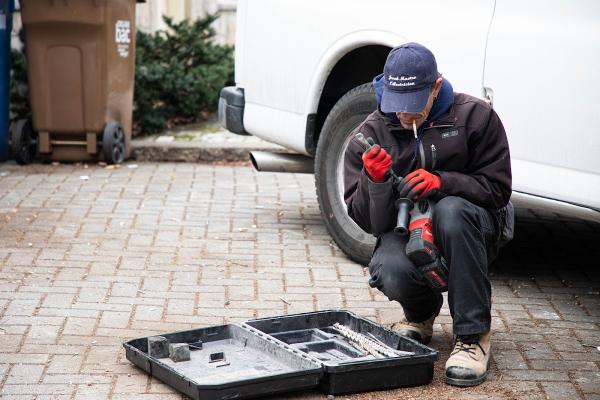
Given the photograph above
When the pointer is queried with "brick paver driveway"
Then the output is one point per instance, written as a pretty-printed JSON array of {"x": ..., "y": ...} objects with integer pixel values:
[{"x": 90, "y": 257}]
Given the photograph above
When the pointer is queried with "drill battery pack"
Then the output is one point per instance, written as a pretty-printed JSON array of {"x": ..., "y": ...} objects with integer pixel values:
[
  {"x": 421, "y": 248},
  {"x": 436, "y": 274}
]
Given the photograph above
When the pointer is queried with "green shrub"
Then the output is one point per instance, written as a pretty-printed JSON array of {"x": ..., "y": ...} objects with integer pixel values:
[
  {"x": 19, "y": 90},
  {"x": 179, "y": 74},
  {"x": 19, "y": 93}
]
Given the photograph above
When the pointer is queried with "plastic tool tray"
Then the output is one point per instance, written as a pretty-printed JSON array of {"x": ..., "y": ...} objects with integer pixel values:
[{"x": 337, "y": 351}]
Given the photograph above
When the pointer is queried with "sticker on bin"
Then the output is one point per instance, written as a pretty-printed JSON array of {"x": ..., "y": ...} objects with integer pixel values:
[{"x": 123, "y": 37}]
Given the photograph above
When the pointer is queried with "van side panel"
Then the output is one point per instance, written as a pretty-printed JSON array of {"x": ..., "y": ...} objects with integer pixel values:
[
  {"x": 543, "y": 59},
  {"x": 289, "y": 47}
]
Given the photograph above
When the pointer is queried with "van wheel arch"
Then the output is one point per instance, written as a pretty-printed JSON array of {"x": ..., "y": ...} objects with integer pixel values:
[{"x": 356, "y": 67}]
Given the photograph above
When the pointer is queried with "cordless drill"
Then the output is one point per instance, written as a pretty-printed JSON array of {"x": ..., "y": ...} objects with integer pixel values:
[{"x": 421, "y": 248}]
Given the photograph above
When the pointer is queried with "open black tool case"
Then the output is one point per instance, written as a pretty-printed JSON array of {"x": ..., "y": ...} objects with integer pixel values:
[{"x": 337, "y": 351}]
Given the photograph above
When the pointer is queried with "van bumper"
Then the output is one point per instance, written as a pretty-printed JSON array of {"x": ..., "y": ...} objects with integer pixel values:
[{"x": 231, "y": 109}]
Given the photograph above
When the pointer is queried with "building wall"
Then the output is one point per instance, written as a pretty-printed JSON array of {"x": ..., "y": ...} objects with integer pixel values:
[
  {"x": 15, "y": 42},
  {"x": 149, "y": 16}
]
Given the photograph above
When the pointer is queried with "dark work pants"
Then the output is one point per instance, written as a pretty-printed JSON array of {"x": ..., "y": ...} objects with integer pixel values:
[{"x": 467, "y": 236}]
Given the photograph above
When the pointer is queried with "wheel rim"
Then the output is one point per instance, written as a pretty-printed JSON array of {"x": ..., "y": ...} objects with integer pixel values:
[{"x": 118, "y": 149}]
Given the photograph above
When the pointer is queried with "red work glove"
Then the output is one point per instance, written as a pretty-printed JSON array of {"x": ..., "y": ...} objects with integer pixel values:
[
  {"x": 422, "y": 183},
  {"x": 376, "y": 161}
]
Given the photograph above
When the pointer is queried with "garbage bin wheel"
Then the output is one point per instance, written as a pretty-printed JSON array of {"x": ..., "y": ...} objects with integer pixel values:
[
  {"x": 113, "y": 143},
  {"x": 23, "y": 141}
]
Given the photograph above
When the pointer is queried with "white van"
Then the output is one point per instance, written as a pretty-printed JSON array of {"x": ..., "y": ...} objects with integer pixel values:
[{"x": 303, "y": 70}]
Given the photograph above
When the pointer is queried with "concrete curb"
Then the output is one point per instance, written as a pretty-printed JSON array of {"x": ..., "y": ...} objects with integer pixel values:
[
  {"x": 189, "y": 154},
  {"x": 207, "y": 147}
]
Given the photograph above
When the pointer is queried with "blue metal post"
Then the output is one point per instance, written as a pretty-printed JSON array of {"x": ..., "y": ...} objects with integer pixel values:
[{"x": 6, "y": 11}]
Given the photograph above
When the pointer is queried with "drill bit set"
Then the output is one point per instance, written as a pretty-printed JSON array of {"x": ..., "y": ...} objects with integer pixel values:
[{"x": 373, "y": 346}]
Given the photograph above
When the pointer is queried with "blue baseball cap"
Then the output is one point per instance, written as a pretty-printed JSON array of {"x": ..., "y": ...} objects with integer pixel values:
[{"x": 409, "y": 72}]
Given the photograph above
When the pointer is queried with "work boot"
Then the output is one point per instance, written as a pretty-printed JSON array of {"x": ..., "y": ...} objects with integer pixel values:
[
  {"x": 419, "y": 331},
  {"x": 468, "y": 364}
]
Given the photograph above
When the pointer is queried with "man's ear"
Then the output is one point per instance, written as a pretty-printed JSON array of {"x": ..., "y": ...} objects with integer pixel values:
[{"x": 438, "y": 86}]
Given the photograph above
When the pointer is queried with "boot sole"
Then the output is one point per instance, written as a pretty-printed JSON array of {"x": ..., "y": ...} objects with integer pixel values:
[
  {"x": 469, "y": 382},
  {"x": 466, "y": 382}
]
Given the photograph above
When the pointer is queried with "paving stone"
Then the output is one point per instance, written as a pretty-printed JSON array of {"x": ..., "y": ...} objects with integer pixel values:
[
  {"x": 510, "y": 360},
  {"x": 42, "y": 390},
  {"x": 564, "y": 365},
  {"x": 588, "y": 381},
  {"x": 560, "y": 391},
  {"x": 534, "y": 375},
  {"x": 592, "y": 355},
  {"x": 538, "y": 351},
  {"x": 92, "y": 391},
  {"x": 42, "y": 334},
  {"x": 114, "y": 319},
  {"x": 25, "y": 374},
  {"x": 79, "y": 326},
  {"x": 65, "y": 363}
]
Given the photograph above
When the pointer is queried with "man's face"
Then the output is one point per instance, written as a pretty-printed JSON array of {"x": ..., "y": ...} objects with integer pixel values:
[{"x": 406, "y": 119}]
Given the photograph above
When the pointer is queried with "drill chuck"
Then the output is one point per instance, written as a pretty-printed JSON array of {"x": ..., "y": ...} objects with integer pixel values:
[{"x": 404, "y": 206}]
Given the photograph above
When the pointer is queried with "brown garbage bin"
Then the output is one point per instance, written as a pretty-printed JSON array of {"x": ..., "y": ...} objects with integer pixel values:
[{"x": 81, "y": 59}]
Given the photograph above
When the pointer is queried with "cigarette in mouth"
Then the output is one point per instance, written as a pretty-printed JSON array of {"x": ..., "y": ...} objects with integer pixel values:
[{"x": 415, "y": 128}]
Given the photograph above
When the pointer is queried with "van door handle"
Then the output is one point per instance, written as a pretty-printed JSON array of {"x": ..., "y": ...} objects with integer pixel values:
[{"x": 488, "y": 95}]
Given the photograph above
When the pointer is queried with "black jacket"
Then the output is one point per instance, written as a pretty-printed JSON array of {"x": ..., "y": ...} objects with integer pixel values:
[{"x": 466, "y": 147}]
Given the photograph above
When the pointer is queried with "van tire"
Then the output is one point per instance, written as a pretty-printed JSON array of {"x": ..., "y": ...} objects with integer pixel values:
[{"x": 350, "y": 110}]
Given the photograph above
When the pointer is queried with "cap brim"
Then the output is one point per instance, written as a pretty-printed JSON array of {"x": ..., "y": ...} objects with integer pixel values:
[{"x": 405, "y": 102}]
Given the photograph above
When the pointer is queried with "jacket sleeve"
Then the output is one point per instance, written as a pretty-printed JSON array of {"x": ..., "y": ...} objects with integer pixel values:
[
  {"x": 370, "y": 204},
  {"x": 487, "y": 181}
]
